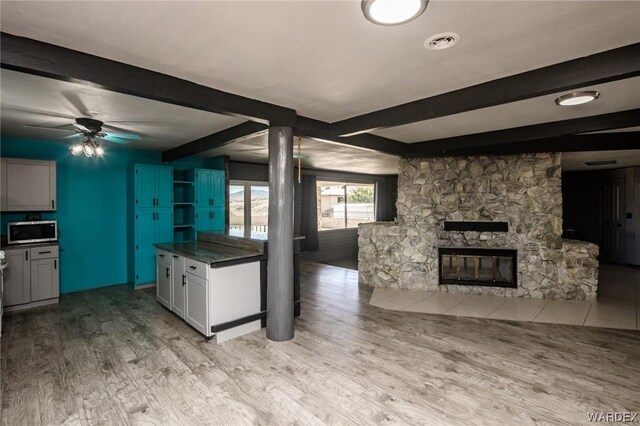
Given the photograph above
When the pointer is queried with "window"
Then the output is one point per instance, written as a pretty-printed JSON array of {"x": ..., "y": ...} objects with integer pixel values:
[
  {"x": 248, "y": 207},
  {"x": 335, "y": 213}
]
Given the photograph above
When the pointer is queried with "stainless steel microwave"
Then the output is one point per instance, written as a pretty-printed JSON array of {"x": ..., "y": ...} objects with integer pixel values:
[{"x": 32, "y": 232}]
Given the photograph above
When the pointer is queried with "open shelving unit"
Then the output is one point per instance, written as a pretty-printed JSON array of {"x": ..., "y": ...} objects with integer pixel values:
[{"x": 184, "y": 201}]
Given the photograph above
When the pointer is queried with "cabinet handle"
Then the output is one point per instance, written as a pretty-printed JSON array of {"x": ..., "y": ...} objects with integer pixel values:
[
  {"x": 44, "y": 252},
  {"x": 161, "y": 255},
  {"x": 53, "y": 204},
  {"x": 175, "y": 256},
  {"x": 55, "y": 264},
  {"x": 193, "y": 267},
  {"x": 167, "y": 272},
  {"x": 184, "y": 279},
  {"x": 26, "y": 255}
]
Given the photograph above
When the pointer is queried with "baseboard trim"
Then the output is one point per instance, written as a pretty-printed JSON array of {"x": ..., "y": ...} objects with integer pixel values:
[
  {"x": 31, "y": 305},
  {"x": 143, "y": 286}
]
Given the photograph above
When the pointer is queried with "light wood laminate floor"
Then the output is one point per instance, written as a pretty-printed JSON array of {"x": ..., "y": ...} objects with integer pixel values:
[{"x": 115, "y": 356}]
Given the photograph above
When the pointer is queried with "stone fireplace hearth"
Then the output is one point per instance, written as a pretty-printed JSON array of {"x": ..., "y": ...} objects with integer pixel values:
[{"x": 523, "y": 192}]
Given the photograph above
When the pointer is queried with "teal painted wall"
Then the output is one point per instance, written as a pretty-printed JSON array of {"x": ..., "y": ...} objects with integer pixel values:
[{"x": 92, "y": 213}]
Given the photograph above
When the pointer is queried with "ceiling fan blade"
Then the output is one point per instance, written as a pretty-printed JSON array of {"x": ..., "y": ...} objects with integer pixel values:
[
  {"x": 82, "y": 128},
  {"x": 75, "y": 135},
  {"x": 76, "y": 103},
  {"x": 130, "y": 136},
  {"x": 38, "y": 112},
  {"x": 59, "y": 128},
  {"x": 114, "y": 139},
  {"x": 118, "y": 129}
]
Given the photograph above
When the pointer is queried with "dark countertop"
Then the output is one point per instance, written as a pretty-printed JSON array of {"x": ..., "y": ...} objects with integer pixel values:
[{"x": 213, "y": 254}]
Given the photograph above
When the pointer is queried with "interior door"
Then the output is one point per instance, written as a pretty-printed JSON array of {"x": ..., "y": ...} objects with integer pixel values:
[
  {"x": 613, "y": 208},
  {"x": 196, "y": 302},
  {"x": 179, "y": 283}
]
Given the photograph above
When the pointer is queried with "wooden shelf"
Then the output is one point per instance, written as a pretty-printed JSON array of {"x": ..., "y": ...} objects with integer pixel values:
[
  {"x": 190, "y": 203},
  {"x": 186, "y": 225},
  {"x": 183, "y": 182}
]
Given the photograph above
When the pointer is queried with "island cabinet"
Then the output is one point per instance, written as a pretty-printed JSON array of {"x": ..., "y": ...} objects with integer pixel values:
[{"x": 220, "y": 299}]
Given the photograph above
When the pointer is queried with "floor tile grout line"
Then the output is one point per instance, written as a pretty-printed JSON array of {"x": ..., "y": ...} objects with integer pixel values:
[
  {"x": 587, "y": 316},
  {"x": 431, "y": 295},
  {"x": 466, "y": 298},
  {"x": 497, "y": 307},
  {"x": 541, "y": 310}
]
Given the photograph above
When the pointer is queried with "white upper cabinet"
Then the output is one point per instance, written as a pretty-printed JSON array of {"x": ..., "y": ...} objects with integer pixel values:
[{"x": 28, "y": 185}]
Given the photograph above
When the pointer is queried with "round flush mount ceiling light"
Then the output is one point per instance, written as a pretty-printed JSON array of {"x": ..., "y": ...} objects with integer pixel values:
[
  {"x": 577, "y": 98},
  {"x": 442, "y": 41},
  {"x": 392, "y": 12}
]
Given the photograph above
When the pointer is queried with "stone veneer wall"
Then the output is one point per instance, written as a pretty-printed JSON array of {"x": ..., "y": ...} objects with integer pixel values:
[{"x": 524, "y": 190}]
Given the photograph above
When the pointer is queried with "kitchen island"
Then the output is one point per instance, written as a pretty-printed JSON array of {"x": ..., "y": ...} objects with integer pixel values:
[{"x": 218, "y": 284}]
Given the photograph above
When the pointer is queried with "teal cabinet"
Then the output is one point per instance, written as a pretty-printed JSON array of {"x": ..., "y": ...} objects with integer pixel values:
[
  {"x": 210, "y": 188},
  {"x": 153, "y": 217},
  {"x": 210, "y": 219},
  {"x": 153, "y": 186}
]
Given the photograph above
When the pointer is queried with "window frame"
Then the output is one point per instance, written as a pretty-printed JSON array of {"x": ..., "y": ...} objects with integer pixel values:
[
  {"x": 247, "y": 184},
  {"x": 345, "y": 183}
]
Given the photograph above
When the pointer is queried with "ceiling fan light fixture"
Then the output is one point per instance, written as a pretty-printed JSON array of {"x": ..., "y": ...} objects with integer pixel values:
[
  {"x": 99, "y": 151},
  {"x": 577, "y": 98},
  {"x": 88, "y": 150},
  {"x": 392, "y": 12},
  {"x": 76, "y": 149}
]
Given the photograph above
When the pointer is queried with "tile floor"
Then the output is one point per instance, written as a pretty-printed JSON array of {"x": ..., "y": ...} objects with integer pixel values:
[{"x": 618, "y": 304}]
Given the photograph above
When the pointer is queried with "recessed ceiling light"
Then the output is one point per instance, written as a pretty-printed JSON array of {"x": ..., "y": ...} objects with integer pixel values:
[
  {"x": 577, "y": 98},
  {"x": 392, "y": 12},
  {"x": 442, "y": 41}
]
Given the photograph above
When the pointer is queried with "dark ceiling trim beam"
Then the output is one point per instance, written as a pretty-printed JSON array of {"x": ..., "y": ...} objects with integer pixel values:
[
  {"x": 611, "y": 65},
  {"x": 569, "y": 143},
  {"x": 44, "y": 59},
  {"x": 616, "y": 120},
  {"x": 316, "y": 129},
  {"x": 215, "y": 140}
]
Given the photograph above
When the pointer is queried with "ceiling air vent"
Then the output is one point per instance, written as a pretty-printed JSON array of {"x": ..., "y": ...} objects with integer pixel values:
[
  {"x": 442, "y": 41},
  {"x": 600, "y": 163}
]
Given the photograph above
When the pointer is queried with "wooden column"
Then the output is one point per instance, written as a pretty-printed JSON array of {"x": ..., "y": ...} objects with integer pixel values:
[{"x": 280, "y": 245}]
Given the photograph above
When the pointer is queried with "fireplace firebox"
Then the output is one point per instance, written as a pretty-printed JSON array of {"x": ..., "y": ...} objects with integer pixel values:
[{"x": 477, "y": 266}]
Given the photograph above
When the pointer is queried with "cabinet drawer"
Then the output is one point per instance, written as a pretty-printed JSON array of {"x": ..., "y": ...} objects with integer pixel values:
[
  {"x": 196, "y": 268},
  {"x": 164, "y": 256},
  {"x": 44, "y": 252}
]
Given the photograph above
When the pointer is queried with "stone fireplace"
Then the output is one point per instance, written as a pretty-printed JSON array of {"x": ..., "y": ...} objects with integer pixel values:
[{"x": 510, "y": 203}]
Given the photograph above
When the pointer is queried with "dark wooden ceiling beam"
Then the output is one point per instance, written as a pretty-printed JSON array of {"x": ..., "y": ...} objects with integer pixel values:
[
  {"x": 491, "y": 140},
  {"x": 569, "y": 143},
  {"x": 44, "y": 59},
  {"x": 215, "y": 140},
  {"x": 616, "y": 64},
  {"x": 316, "y": 129}
]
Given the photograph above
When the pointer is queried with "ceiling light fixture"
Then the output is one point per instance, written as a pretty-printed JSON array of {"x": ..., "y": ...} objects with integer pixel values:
[
  {"x": 392, "y": 12},
  {"x": 577, "y": 98},
  {"x": 442, "y": 41},
  {"x": 88, "y": 147}
]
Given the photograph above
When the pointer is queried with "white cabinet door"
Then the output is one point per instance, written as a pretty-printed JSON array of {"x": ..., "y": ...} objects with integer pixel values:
[
  {"x": 17, "y": 281},
  {"x": 163, "y": 286},
  {"x": 45, "y": 283},
  {"x": 197, "y": 301},
  {"x": 30, "y": 185},
  {"x": 179, "y": 284}
]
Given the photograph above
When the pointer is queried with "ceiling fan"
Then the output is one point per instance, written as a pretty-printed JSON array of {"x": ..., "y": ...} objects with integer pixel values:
[{"x": 91, "y": 128}]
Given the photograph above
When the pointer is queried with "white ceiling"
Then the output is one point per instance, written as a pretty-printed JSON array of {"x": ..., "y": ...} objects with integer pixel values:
[
  {"x": 33, "y": 100},
  {"x": 576, "y": 160},
  {"x": 323, "y": 58},
  {"x": 315, "y": 155}
]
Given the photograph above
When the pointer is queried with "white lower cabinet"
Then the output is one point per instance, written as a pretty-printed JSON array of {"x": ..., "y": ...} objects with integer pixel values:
[
  {"x": 44, "y": 279},
  {"x": 178, "y": 282},
  {"x": 212, "y": 300},
  {"x": 32, "y": 277},
  {"x": 164, "y": 272},
  {"x": 196, "y": 302}
]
